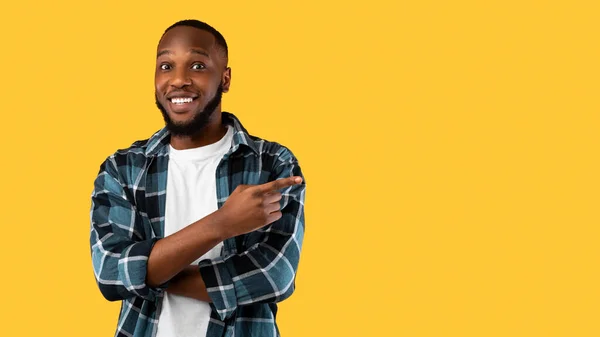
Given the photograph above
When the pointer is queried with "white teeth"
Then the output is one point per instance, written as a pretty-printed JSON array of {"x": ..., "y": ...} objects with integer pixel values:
[{"x": 181, "y": 100}]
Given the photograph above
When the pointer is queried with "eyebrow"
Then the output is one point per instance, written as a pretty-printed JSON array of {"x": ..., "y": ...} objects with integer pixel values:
[{"x": 193, "y": 51}]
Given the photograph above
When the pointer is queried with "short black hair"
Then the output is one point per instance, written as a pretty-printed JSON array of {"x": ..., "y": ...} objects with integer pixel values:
[{"x": 203, "y": 26}]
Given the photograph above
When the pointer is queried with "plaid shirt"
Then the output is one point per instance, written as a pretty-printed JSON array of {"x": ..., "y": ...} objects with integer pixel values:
[{"x": 254, "y": 272}]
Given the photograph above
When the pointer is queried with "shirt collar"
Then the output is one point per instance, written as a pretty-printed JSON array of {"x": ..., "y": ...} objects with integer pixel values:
[{"x": 158, "y": 143}]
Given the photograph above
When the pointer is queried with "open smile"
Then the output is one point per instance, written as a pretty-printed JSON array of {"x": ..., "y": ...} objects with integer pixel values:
[{"x": 182, "y": 104}]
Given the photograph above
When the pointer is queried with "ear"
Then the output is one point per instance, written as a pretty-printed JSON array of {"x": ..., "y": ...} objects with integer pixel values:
[{"x": 226, "y": 79}]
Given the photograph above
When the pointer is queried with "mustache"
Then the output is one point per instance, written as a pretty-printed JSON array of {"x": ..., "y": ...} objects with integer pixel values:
[{"x": 218, "y": 93}]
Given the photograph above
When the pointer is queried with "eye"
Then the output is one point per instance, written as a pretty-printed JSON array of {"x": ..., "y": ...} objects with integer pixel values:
[
  {"x": 165, "y": 66},
  {"x": 198, "y": 66}
]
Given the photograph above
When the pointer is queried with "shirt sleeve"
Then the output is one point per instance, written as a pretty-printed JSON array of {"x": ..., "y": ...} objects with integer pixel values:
[
  {"x": 266, "y": 271},
  {"x": 118, "y": 248}
]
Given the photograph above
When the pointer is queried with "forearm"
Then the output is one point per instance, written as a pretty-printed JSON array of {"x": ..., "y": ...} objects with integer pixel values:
[
  {"x": 172, "y": 254},
  {"x": 189, "y": 283}
]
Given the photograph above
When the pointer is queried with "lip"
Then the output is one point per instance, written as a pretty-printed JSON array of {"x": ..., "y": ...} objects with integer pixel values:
[
  {"x": 185, "y": 107},
  {"x": 183, "y": 94}
]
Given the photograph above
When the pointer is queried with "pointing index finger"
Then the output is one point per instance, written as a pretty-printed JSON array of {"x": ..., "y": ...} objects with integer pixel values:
[{"x": 280, "y": 183}]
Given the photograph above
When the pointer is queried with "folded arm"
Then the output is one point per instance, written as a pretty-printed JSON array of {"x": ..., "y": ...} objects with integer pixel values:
[{"x": 125, "y": 262}]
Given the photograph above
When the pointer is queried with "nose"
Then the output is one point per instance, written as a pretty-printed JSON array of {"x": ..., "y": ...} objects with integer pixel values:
[{"x": 180, "y": 78}]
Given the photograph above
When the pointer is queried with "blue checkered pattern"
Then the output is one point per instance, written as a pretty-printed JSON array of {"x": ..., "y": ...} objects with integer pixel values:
[{"x": 254, "y": 272}]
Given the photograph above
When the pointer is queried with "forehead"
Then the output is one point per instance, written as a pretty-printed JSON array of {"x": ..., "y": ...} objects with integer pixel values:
[{"x": 184, "y": 37}]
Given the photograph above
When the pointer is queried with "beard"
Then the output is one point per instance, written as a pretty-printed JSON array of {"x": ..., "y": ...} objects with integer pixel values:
[{"x": 200, "y": 120}]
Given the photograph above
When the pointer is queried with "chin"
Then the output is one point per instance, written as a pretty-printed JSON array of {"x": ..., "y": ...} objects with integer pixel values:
[{"x": 183, "y": 115}]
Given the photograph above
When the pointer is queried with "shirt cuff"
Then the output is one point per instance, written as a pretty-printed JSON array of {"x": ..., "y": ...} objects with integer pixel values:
[{"x": 133, "y": 268}]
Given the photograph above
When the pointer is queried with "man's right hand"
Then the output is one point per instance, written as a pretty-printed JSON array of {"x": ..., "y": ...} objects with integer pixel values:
[
  {"x": 248, "y": 208},
  {"x": 251, "y": 207}
]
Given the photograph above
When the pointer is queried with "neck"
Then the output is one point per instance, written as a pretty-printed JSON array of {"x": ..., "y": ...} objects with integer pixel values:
[{"x": 211, "y": 133}]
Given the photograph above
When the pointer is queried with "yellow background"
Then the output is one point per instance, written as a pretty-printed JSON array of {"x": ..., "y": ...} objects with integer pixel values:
[{"x": 450, "y": 150}]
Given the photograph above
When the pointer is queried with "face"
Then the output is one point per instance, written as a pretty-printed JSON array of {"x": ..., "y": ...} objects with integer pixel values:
[{"x": 191, "y": 74}]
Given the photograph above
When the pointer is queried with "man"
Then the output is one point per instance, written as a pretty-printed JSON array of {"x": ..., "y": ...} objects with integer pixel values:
[{"x": 198, "y": 229}]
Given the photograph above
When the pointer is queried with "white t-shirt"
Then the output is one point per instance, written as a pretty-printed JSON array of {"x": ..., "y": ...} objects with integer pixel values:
[{"x": 191, "y": 195}]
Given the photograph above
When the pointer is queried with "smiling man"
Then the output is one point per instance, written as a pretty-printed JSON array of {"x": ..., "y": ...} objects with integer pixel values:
[{"x": 198, "y": 229}]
